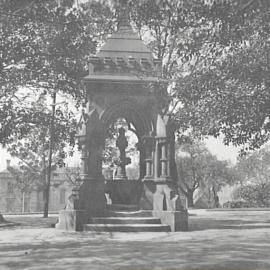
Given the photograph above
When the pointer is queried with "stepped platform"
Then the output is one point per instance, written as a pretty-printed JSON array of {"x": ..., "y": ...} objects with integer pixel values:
[
  {"x": 127, "y": 228},
  {"x": 126, "y": 218},
  {"x": 123, "y": 207}
]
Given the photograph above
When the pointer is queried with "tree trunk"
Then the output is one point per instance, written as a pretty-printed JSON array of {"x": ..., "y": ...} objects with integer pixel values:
[
  {"x": 190, "y": 198},
  {"x": 48, "y": 170},
  {"x": 23, "y": 197},
  {"x": 216, "y": 198},
  {"x": 46, "y": 200}
]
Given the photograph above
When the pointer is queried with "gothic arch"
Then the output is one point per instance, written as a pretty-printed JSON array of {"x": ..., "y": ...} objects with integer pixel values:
[{"x": 132, "y": 112}]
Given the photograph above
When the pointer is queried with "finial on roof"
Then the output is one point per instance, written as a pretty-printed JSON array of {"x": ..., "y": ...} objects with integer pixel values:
[{"x": 123, "y": 17}]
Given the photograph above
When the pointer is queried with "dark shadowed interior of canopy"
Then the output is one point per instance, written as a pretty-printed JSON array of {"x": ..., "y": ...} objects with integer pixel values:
[{"x": 111, "y": 151}]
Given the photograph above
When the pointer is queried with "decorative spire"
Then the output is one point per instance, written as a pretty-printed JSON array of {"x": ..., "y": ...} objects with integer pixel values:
[{"x": 123, "y": 18}]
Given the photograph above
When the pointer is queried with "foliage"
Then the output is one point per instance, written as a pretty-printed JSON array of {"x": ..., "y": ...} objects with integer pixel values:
[
  {"x": 44, "y": 49},
  {"x": 254, "y": 167},
  {"x": 44, "y": 46},
  {"x": 72, "y": 174},
  {"x": 201, "y": 43},
  {"x": 216, "y": 57},
  {"x": 33, "y": 150},
  {"x": 13, "y": 116},
  {"x": 198, "y": 168},
  {"x": 26, "y": 180},
  {"x": 214, "y": 53},
  {"x": 256, "y": 195},
  {"x": 236, "y": 204},
  {"x": 229, "y": 94},
  {"x": 254, "y": 173}
]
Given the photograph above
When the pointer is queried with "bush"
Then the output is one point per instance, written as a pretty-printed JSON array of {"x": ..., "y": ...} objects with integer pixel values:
[
  {"x": 236, "y": 204},
  {"x": 256, "y": 195}
]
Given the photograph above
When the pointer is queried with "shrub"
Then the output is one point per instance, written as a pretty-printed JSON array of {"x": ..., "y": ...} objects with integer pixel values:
[
  {"x": 236, "y": 204},
  {"x": 256, "y": 195}
]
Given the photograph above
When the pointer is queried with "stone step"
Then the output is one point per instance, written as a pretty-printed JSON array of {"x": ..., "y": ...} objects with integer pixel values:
[
  {"x": 127, "y": 228},
  {"x": 126, "y": 220},
  {"x": 123, "y": 207},
  {"x": 140, "y": 213}
]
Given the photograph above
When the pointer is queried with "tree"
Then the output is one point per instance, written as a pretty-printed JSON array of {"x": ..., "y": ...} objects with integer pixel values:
[
  {"x": 13, "y": 50},
  {"x": 26, "y": 180},
  {"x": 254, "y": 172},
  {"x": 45, "y": 48},
  {"x": 218, "y": 174},
  {"x": 190, "y": 168},
  {"x": 33, "y": 151},
  {"x": 215, "y": 55},
  {"x": 198, "y": 168},
  {"x": 230, "y": 95},
  {"x": 254, "y": 195}
]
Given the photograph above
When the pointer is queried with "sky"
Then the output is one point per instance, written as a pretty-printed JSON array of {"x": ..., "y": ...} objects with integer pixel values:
[
  {"x": 223, "y": 152},
  {"x": 215, "y": 146}
]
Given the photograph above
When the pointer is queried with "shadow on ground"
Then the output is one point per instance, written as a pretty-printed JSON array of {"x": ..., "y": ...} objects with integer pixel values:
[
  {"x": 111, "y": 254},
  {"x": 210, "y": 223},
  {"x": 231, "y": 241},
  {"x": 221, "y": 220},
  {"x": 197, "y": 222},
  {"x": 29, "y": 222}
]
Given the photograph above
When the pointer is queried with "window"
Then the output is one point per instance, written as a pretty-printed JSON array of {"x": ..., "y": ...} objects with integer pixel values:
[
  {"x": 10, "y": 204},
  {"x": 10, "y": 188},
  {"x": 62, "y": 196}
]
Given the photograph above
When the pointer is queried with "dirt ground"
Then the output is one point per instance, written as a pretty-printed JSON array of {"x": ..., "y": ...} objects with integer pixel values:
[{"x": 216, "y": 240}]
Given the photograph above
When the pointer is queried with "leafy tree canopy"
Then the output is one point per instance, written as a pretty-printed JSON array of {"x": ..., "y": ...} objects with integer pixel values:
[
  {"x": 44, "y": 47},
  {"x": 254, "y": 167},
  {"x": 214, "y": 53},
  {"x": 33, "y": 149},
  {"x": 254, "y": 174},
  {"x": 216, "y": 56},
  {"x": 198, "y": 168}
]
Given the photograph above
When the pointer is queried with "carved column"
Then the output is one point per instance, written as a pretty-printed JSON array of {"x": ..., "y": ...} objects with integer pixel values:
[
  {"x": 148, "y": 143},
  {"x": 163, "y": 161},
  {"x": 169, "y": 161},
  {"x": 84, "y": 164},
  {"x": 156, "y": 160},
  {"x": 91, "y": 141}
]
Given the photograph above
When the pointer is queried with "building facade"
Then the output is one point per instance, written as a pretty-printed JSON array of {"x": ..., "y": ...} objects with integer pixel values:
[{"x": 13, "y": 200}]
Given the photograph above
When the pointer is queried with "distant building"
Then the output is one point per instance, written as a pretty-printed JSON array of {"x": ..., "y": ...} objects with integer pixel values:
[{"x": 13, "y": 200}]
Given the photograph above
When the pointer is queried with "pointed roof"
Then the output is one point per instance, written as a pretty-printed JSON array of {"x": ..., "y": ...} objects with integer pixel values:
[
  {"x": 124, "y": 58},
  {"x": 125, "y": 43}
]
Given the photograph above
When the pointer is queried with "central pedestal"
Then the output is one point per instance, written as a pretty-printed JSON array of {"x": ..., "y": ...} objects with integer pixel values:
[{"x": 124, "y": 191}]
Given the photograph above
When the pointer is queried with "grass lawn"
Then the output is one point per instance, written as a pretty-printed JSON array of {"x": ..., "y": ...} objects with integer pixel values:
[{"x": 216, "y": 240}]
